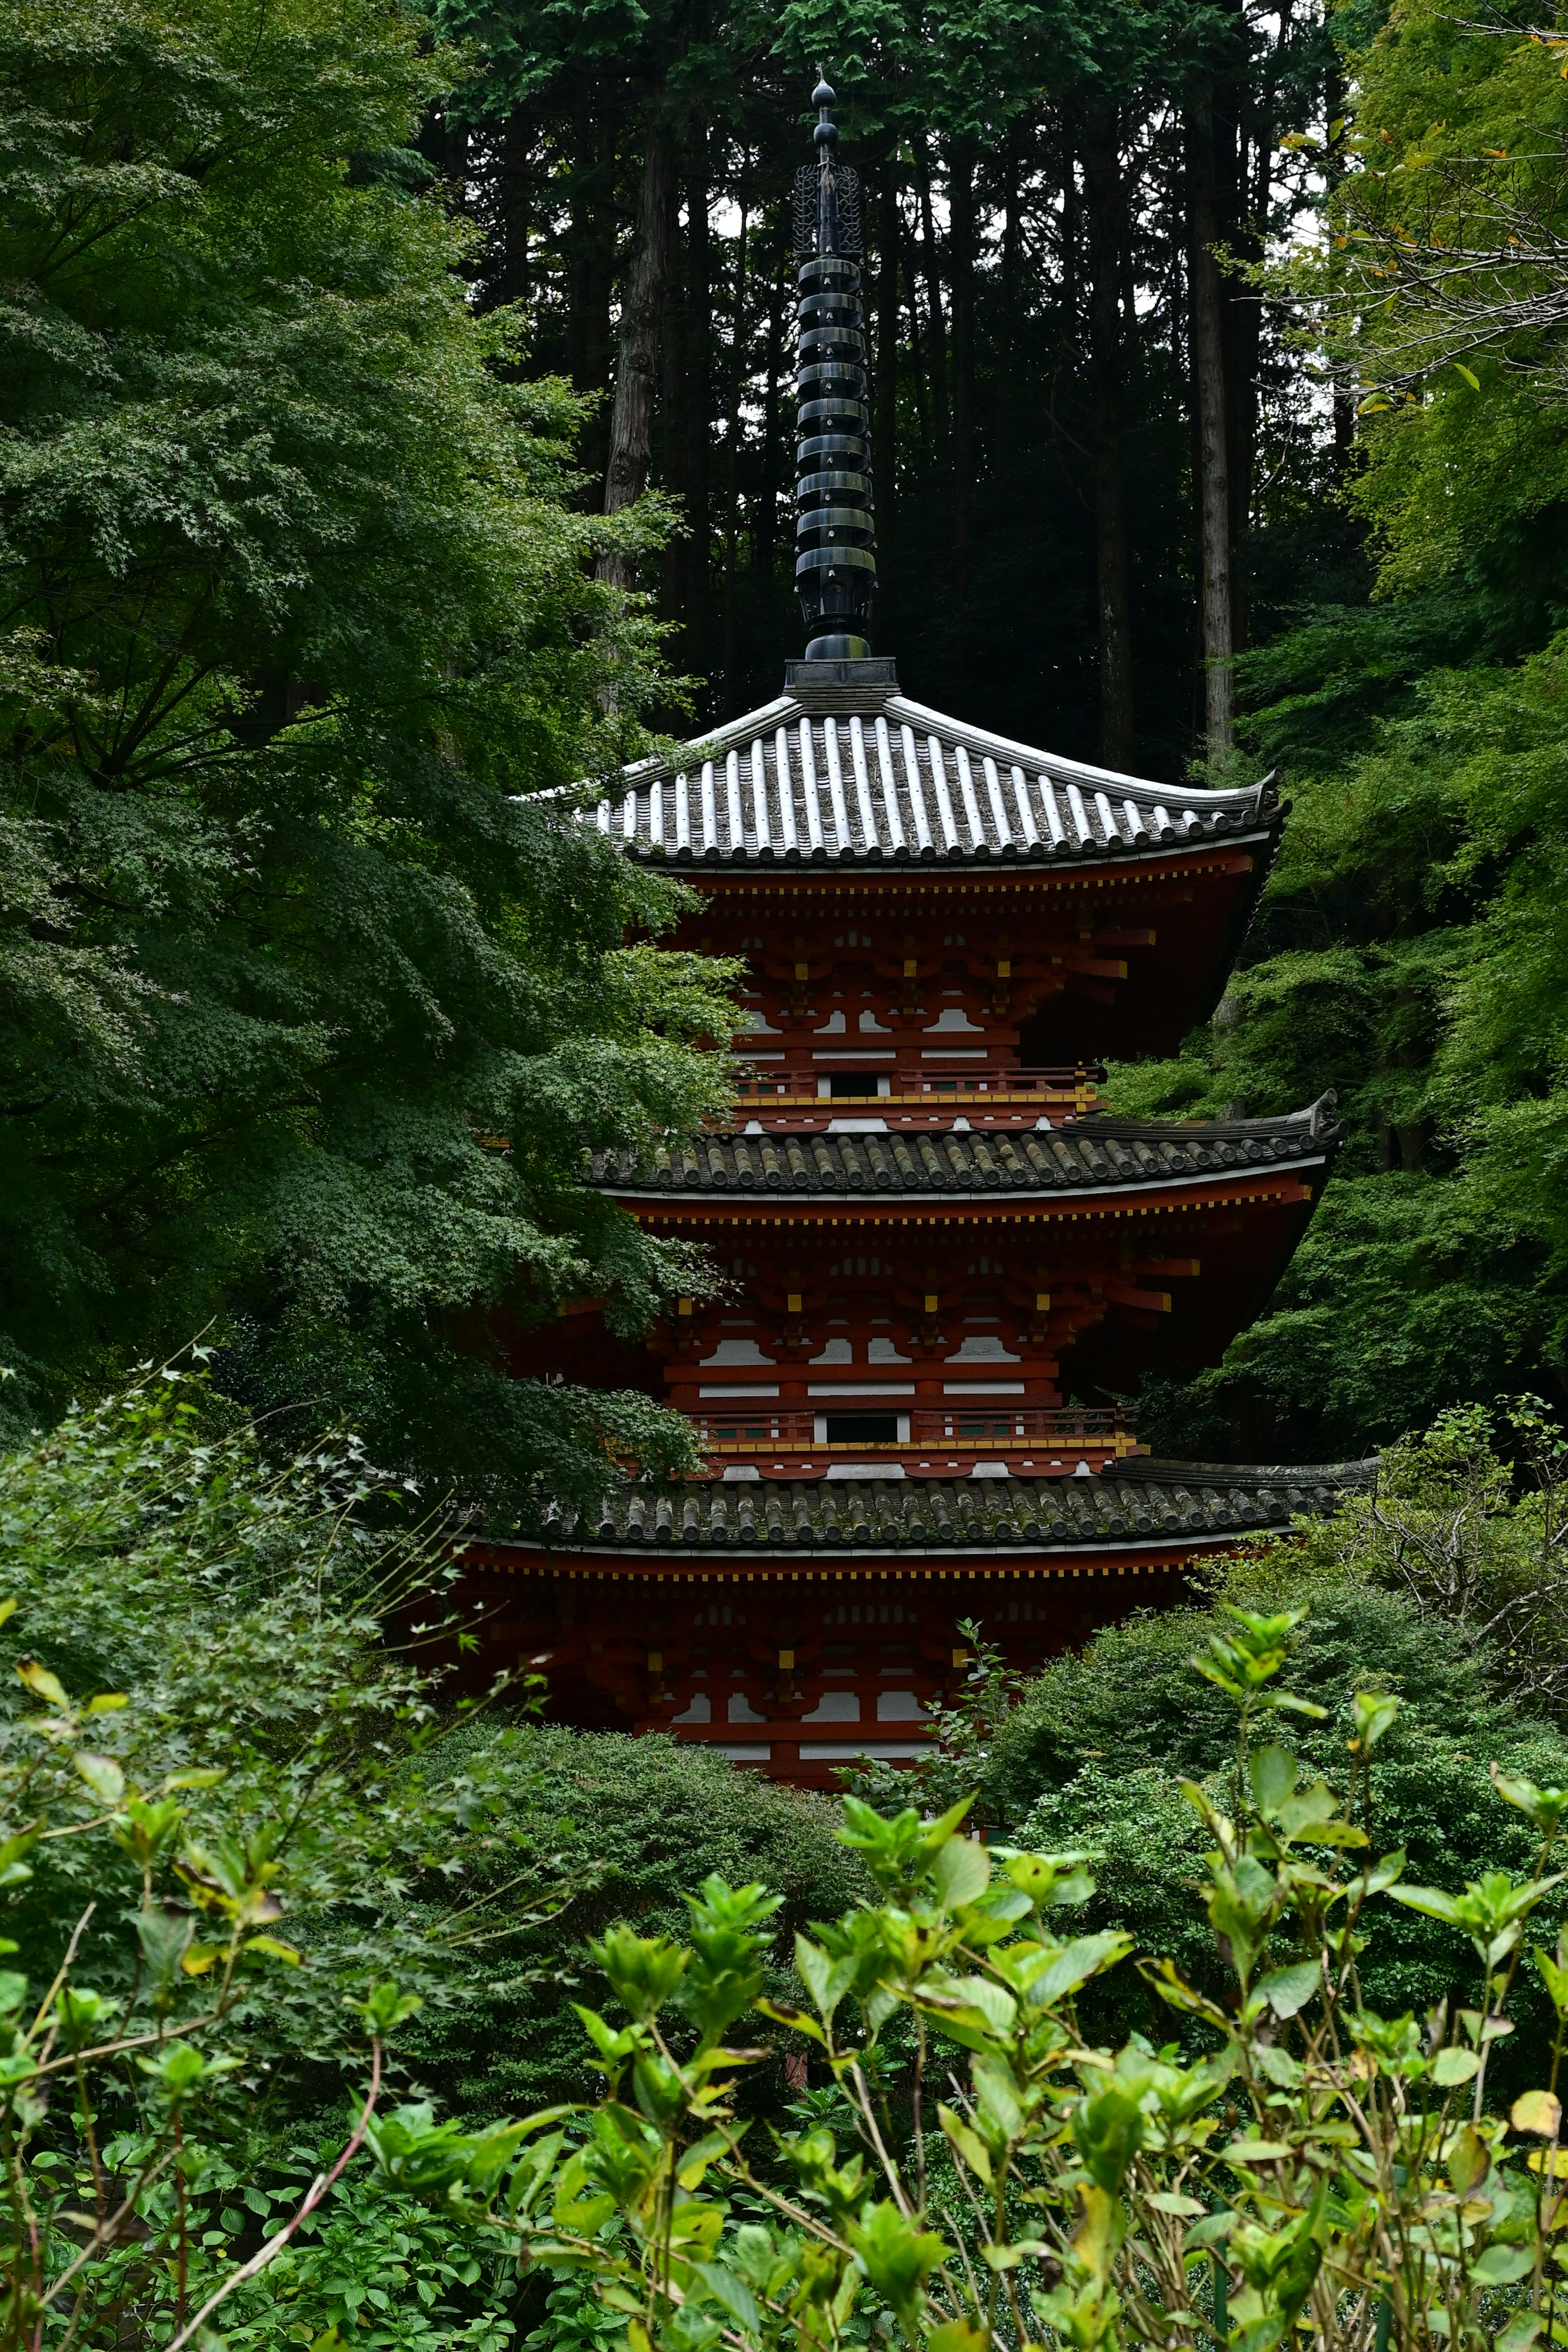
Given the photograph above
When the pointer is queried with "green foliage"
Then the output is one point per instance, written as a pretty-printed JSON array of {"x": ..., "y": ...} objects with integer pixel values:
[
  {"x": 631, "y": 1820},
  {"x": 1409, "y": 958},
  {"x": 1302, "y": 2160},
  {"x": 1436, "y": 1584},
  {"x": 316, "y": 990},
  {"x": 226, "y": 1800}
]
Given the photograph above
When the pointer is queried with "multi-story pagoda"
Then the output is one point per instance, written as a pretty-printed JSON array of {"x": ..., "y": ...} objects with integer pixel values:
[{"x": 944, "y": 1262}]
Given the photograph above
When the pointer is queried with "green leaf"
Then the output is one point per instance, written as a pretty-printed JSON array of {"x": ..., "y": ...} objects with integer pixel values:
[
  {"x": 41, "y": 1683},
  {"x": 732, "y": 2293},
  {"x": 1288, "y": 1991},
  {"x": 1453, "y": 2066},
  {"x": 1536, "y": 2111},
  {"x": 1555, "y": 1979},
  {"x": 1502, "y": 2265},
  {"x": 1085, "y": 1957},
  {"x": 1431, "y": 1900},
  {"x": 1470, "y": 377},
  {"x": 957, "y": 2334},
  {"x": 1375, "y": 1714},
  {"x": 103, "y": 1775},
  {"x": 968, "y": 2142},
  {"x": 696, "y": 2159},
  {"x": 279, "y": 1950},
  {"x": 1543, "y": 1808},
  {"x": 961, "y": 1873},
  {"x": 1273, "y": 1773},
  {"x": 1470, "y": 2160}
]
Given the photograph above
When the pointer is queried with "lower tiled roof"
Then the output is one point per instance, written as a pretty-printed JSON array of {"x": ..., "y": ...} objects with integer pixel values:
[
  {"x": 1080, "y": 1155},
  {"x": 1141, "y": 1502}
]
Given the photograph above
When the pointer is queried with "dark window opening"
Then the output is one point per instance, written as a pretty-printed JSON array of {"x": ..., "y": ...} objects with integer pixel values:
[
  {"x": 851, "y": 1082},
  {"x": 861, "y": 1428}
]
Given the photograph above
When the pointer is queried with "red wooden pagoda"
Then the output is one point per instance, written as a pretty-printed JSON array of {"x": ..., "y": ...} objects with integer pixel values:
[{"x": 945, "y": 1264}]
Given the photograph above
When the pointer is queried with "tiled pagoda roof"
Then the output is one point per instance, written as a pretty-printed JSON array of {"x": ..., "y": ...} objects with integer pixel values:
[
  {"x": 1084, "y": 1154},
  {"x": 1142, "y": 1501},
  {"x": 859, "y": 772}
]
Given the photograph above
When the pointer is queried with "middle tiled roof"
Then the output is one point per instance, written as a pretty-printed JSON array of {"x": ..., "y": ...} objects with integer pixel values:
[
  {"x": 1088, "y": 1153},
  {"x": 1136, "y": 1503}
]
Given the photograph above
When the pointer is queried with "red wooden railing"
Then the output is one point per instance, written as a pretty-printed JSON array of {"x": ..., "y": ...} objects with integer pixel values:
[{"x": 1078, "y": 1429}]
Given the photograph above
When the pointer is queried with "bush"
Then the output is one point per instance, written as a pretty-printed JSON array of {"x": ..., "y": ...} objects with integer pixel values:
[{"x": 635, "y": 1821}]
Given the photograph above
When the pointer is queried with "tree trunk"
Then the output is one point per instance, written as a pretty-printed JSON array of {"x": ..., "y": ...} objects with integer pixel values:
[
  {"x": 931, "y": 258},
  {"x": 1073, "y": 231},
  {"x": 765, "y": 526},
  {"x": 674, "y": 456},
  {"x": 1007, "y": 320},
  {"x": 1107, "y": 223},
  {"x": 699, "y": 417},
  {"x": 1333, "y": 174},
  {"x": 591, "y": 266},
  {"x": 732, "y": 444},
  {"x": 1208, "y": 390},
  {"x": 918, "y": 373},
  {"x": 515, "y": 278},
  {"x": 642, "y": 310},
  {"x": 885, "y": 431},
  {"x": 960, "y": 212}
]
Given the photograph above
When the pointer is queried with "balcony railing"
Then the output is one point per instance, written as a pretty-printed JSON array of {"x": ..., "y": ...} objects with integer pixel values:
[
  {"x": 1008, "y": 1083},
  {"x": 1063, "y": 1429}
]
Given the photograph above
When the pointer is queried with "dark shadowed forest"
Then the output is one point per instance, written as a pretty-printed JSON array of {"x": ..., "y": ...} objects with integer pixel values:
[{"x": 1043, "y": 191}]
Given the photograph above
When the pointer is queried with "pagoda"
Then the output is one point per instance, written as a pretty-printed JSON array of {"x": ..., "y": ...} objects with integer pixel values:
[{"x": 944, "y": 1264}]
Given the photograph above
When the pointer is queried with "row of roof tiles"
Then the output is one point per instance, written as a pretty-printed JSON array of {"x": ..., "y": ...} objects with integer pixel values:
[
  {"x": 1174, "y": 1500},
  {"x": 1085, "y": 1152},
  {"x": 904, "y": 784}
]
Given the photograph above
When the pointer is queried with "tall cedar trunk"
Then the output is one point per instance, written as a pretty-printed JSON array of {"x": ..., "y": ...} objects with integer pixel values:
[
  {"x": 1208, "y": 391},
  {"x": 936, "y": 327},
  {"x": 1007, "y": 319},
  {"x": 732, "y": 446},
  {"x": 1073, "y": 231},
  {"x": 591, "y": 266},
  {"x": 960, "y": 211},
  {"x": 1240, "y": 132},
  {"x": 637, "y": 356},
  {"x": 1334, "y": 174},
  {"x": 674, "y": 414},
  {"x": 765, "y": 527},
  {"x": 700, "y": 407},
  {"x": 918, "y": 376},
  {"x": 515, "y": 278},
  {"x": 885, "y": 427},
  {"x": 1107, "y": 229}
]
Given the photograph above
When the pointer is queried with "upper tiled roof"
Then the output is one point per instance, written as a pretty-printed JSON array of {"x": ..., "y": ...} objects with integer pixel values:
[
  {"x": 1083, "y": 1154},
  {"x": 1136, "y": 1503},
  {"x": 891, "y": 779}
]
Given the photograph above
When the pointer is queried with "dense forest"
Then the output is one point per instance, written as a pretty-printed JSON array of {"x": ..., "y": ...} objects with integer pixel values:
[{"x": 358, "y": 364}]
